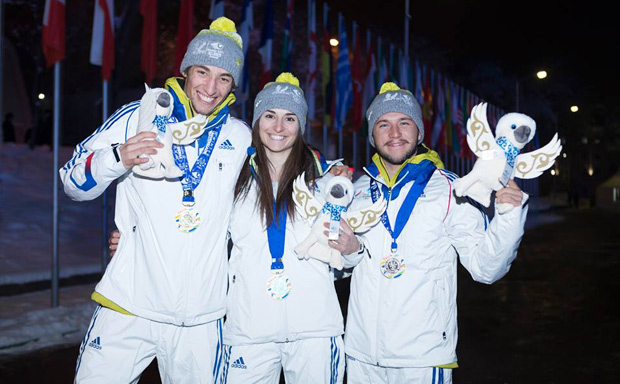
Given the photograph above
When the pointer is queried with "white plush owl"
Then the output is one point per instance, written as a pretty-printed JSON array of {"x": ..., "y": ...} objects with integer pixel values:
[
  {"x": 154, "y": 113},
  {"x": 338, "y": 196},
  {"x": 499, "y": 157}
]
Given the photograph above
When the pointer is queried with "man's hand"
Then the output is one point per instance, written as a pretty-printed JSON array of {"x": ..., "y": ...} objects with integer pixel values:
[
  {"x": 347, "y": 243},
  {"x": 341, "y": 170},
  {"x": 143, "y": 143},
  {"x": 510, "y": 194},
  {"x": 115, "y": 236}
]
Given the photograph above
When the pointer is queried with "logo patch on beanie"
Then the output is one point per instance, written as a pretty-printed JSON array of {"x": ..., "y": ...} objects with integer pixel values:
[
  {"x": 398, "y": 97},
  {"x": 215, "y": 50},
  {"x": 286, "y": 90}
]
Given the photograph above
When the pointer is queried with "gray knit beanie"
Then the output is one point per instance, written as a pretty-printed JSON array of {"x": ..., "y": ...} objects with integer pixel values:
[
  {"x": 284, "y": 93},
  {"x": 220, "y": 46},
  {"x": 393, "y": 99}
]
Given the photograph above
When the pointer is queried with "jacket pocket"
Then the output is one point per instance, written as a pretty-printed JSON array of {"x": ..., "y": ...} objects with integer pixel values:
[{"x": 442, "y": 301}]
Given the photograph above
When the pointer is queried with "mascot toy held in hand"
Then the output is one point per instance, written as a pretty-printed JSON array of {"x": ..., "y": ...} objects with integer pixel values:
[
  {"x": 338, "y": 196},
  {"x": 154, "y": 114},
  {"x": 499, "y": 157}
]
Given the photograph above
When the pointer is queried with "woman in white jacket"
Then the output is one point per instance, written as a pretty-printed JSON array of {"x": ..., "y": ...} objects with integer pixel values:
[{"x": 282, "y": 312}]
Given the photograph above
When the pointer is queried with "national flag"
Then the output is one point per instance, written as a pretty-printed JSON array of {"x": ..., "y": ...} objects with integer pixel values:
[
  {"x": 217, "y": 9},
  {"x": 437, "y": 139},
  {"x": 326, "y": 70},
  {"x": 148, "y": 61},
  {"x": 287, "y": 43},
  {"x": 266, "y": 44},
  {"x": 312, "y": 65},
  {"x": 370, "y": 80},
  {"x": 383, "y": 67},
  {"x": 447, "y": 128},
  {"x": 344, "y": 84},
  {"x": 247, "y": 24},
  {"x": 427, "y": 106},
  {"x": 185, "y": 31},
  {"x": 102, "y": 43},
  {"x": 403, "y": 72},
  {"x": 419, "y": 93},
  {"x": 358, "y": 80},
  {"x": 53, "y": 41}
]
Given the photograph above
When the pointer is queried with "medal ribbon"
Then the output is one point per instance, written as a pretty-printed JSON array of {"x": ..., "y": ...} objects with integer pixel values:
[
  {"x": 191, "y": 178},
  {"x": 276, "y": 233},
  {"x": 420, "y": 174}
]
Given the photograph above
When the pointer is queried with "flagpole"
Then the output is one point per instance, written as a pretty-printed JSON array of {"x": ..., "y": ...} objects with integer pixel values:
[
  {"x": 55, "y": 263},
  {"x": 353, "y": 42},
  {"x": 340, "y": 29},
  {"x": 407, "y": 17},
  {"x": 308, "y": 122},
  {"x": 1, "y": 68},
  {"x": 104, "y": 216},
  {"x": 368, "y": 42},
  {"x": 325, "y": 16}
]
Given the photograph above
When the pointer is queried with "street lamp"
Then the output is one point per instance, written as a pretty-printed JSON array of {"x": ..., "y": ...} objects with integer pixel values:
[
  {"x": 574, "y": 108},
  {"x": 542, "y": 74}
]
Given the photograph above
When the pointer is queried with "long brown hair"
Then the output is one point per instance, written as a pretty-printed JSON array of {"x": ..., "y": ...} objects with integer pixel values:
[{"x": 300, "y": 159}]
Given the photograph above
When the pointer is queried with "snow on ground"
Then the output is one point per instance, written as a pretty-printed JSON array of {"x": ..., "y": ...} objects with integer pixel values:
[{"x": 27, "y": 321}]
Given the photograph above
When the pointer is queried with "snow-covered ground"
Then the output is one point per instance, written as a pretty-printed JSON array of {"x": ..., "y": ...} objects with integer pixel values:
[{"x": 27, "y": 321}]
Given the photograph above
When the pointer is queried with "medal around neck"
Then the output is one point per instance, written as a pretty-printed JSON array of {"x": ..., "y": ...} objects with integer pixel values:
[
  {"x": 187, "y": 219},
  {"x": 154, "y": 114},
  {"x": 499, "y": 156},
  {"x": 330, "y": 207},
  {"x": 392, "y": 266},
  {"x": 279, "y": 286}
]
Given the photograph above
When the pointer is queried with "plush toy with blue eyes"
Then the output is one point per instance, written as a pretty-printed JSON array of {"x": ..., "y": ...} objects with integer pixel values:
[{"x": 499, "y": 156}]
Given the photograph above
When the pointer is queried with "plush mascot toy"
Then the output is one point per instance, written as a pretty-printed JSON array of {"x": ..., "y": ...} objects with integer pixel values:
[
  {"x": 338, "y": 196},
  {"x": 154, "y": 113},
  {"x": 499, "y": 157}
]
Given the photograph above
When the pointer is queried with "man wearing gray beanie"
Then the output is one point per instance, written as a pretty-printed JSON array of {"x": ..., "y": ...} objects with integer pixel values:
[
  {"x": 401, "y": 322},
  {"x": 164, "y": 293}
]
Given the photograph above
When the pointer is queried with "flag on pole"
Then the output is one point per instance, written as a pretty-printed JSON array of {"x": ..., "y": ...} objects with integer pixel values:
[
  {"x": 53, "y": 42},
  {"x": 358, "y": 81},
  {"x": 344, "y": 84},
  {"x": 185, "y": 31},
  {"x": 370, "y": 81},
  {"x": 102, "y": 43},
  {"x": 287, "y": 44},
  {"x": 247, "y": 24},
  {"x": 148, "y": 62},
  {"x": 266, "y": 44},
  {"x": 427, "y": 106},
  {"x": 437, "y": 140},
  {"x": 403, "y": 75},
  {"x": 419, "y": 93},
  {"x": 217, "y": 9},
  {"x": 326, "y": 70},
  {"x": 312, "y": 67}
]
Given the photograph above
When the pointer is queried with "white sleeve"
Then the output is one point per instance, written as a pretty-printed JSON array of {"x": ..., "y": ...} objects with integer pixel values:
[
  {"x": 96, "y": 161},
  {"x": 485, "y": 249}
]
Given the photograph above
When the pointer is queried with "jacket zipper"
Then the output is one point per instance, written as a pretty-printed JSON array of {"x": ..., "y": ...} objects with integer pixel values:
[{"x": 377, "y": 338}]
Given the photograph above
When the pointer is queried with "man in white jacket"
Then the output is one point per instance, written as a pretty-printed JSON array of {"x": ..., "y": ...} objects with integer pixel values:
[
  {"x": 164, "y": 293},
  {"x": 401, "y": 322}
]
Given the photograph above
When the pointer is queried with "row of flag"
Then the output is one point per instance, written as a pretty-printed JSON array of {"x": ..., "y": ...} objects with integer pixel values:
[{"x": 349, "y": 79}]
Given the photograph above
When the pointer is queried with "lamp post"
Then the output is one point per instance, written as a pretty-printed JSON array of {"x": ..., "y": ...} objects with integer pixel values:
[{"x": 542, "y": 74}]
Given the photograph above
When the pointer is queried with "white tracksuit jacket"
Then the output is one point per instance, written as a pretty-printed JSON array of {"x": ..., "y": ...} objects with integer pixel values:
[
  {"x": 410, "y": 321},
  {"x": 158, "y": 272},
  {"x": 310, "y": 310}
]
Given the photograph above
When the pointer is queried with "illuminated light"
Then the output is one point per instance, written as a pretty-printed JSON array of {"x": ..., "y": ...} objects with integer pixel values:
[
  {"x": 574, "y": 108},
  {"x": 333, "y": 42},
  {"x": 41, "y": 96},
  {"x": 564, "y": 155},
  {"x": 553, "y": 172},
  {"x": 541, "y": 74},
  {"x": 590, "y": 171}
]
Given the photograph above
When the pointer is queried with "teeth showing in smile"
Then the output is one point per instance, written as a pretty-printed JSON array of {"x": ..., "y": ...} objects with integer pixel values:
[
  {"x": 276, "y": 137},
  {"x": 206, "y": 99}
]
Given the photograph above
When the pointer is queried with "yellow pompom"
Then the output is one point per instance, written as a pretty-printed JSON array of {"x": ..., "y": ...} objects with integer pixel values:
[
  {"x": 287, "y": 77},
  {"x": 389, "y": 86},
  {"x": 223, "y": 24}
]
